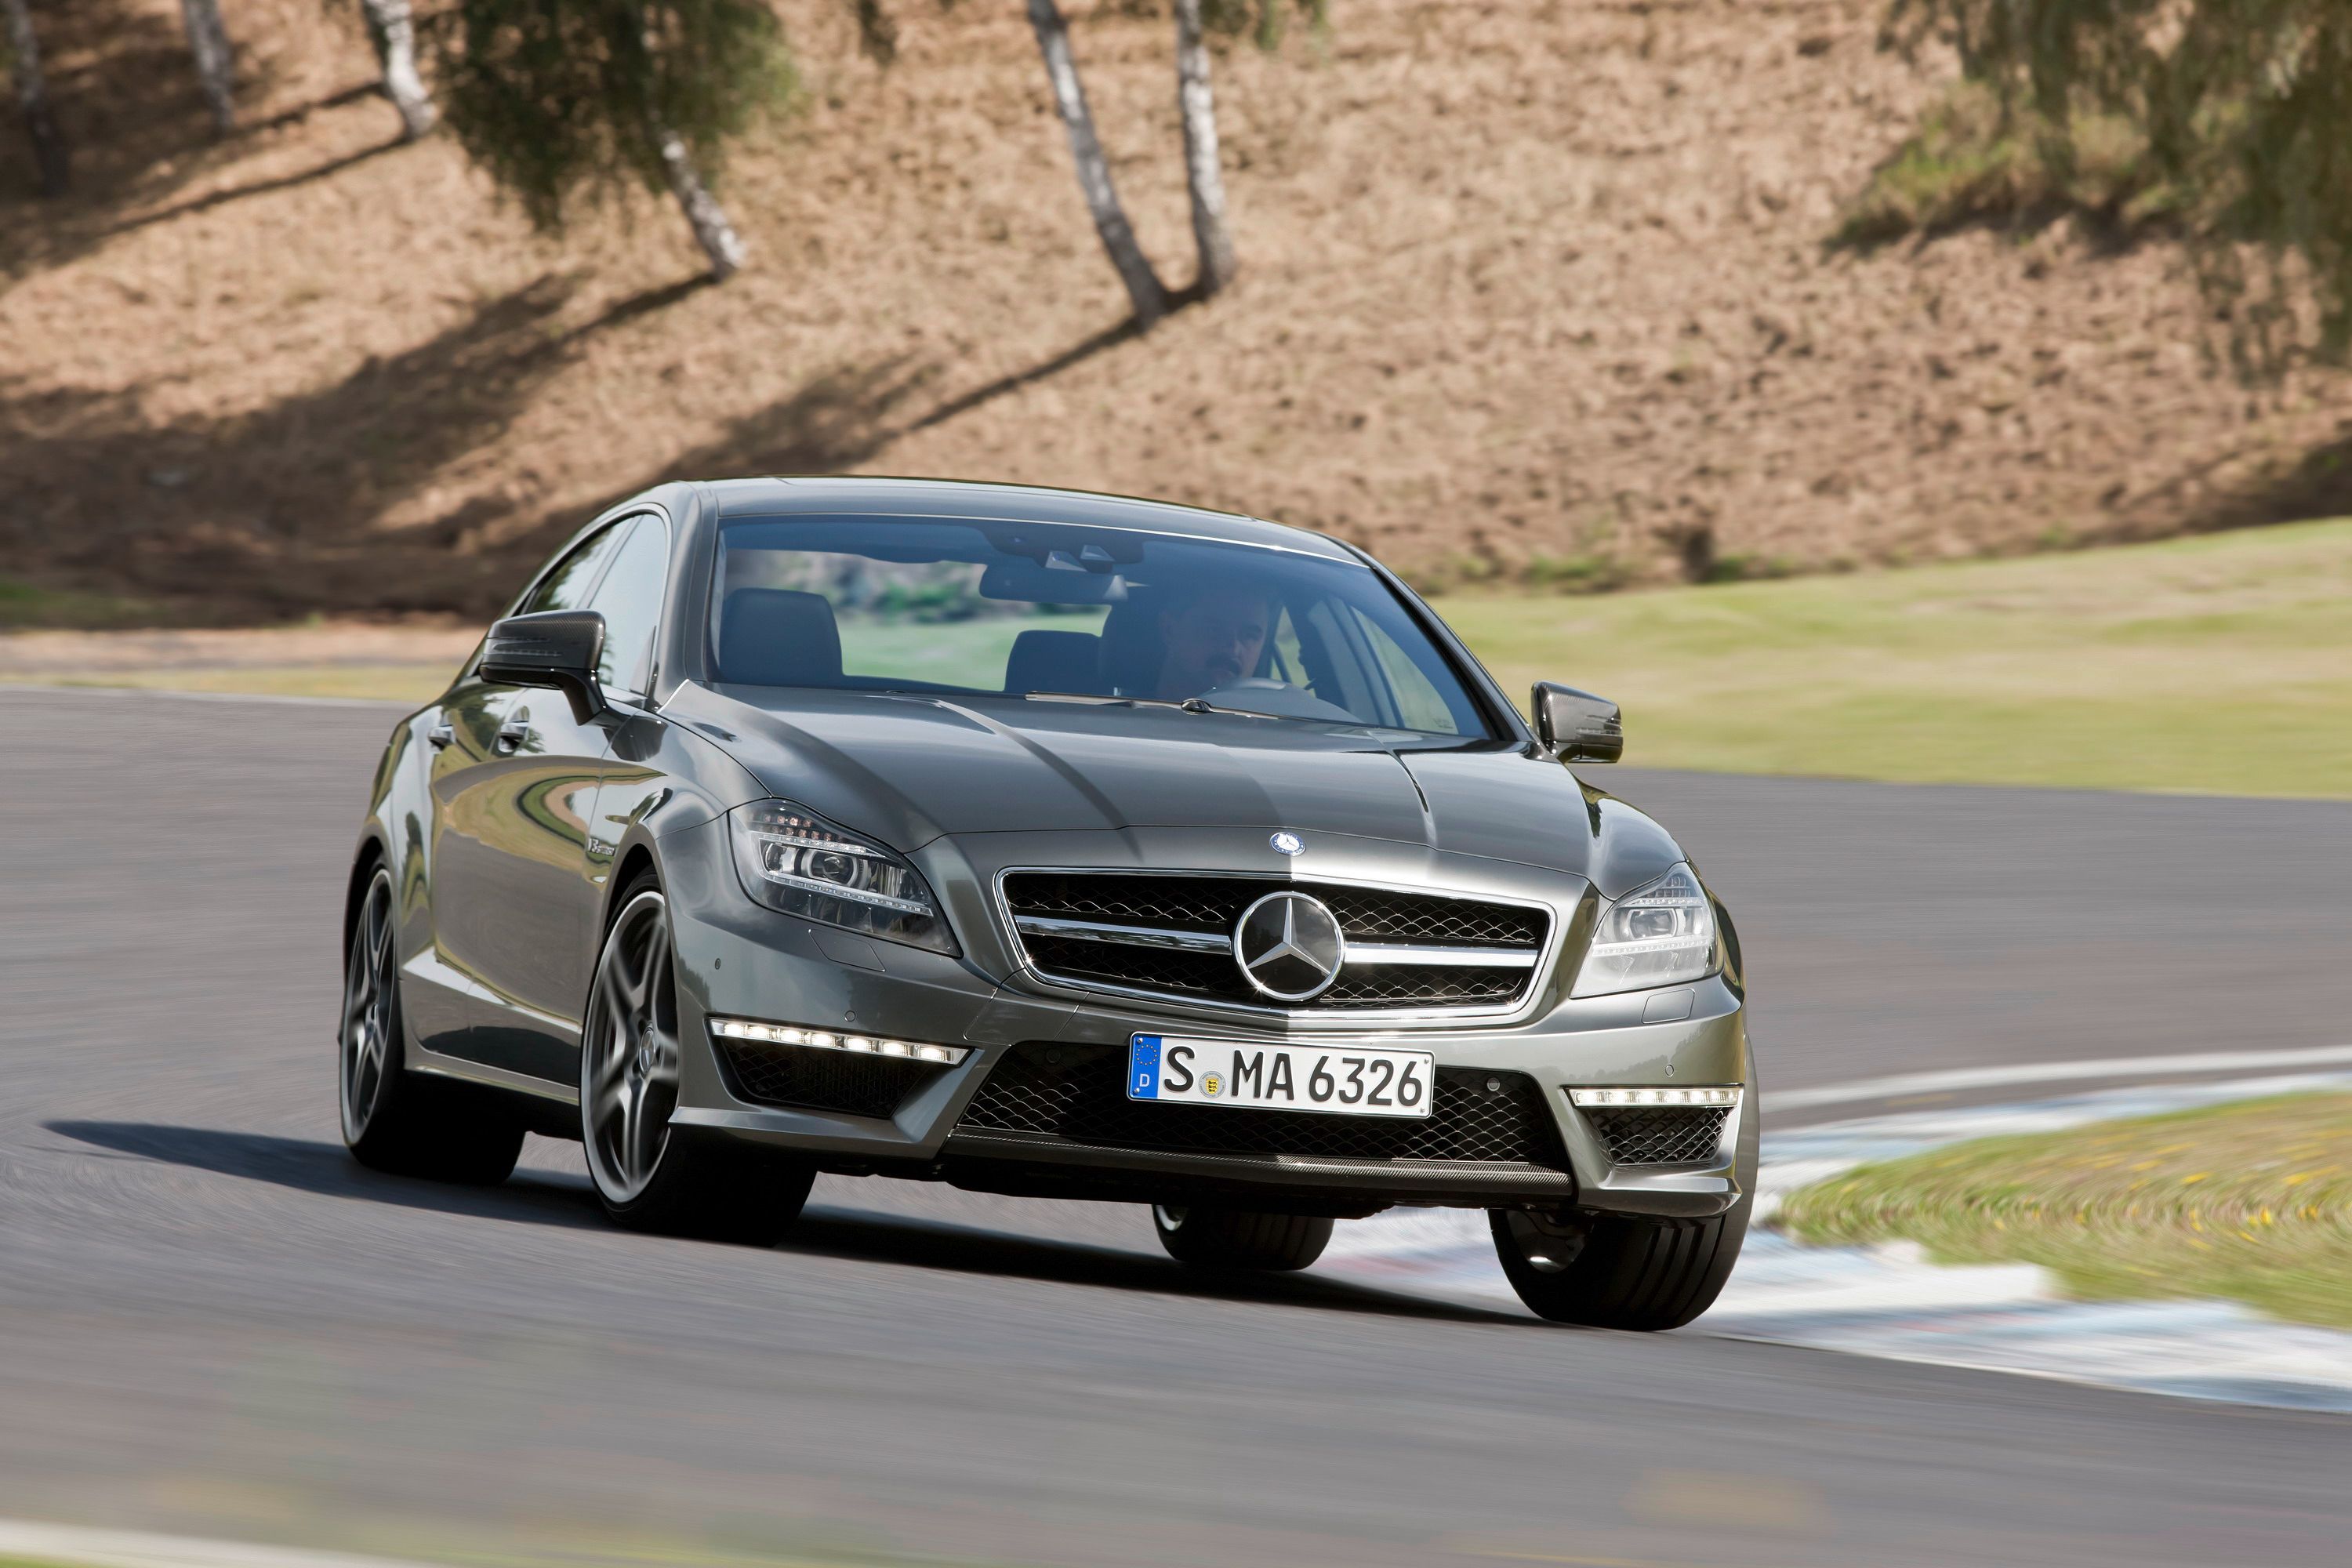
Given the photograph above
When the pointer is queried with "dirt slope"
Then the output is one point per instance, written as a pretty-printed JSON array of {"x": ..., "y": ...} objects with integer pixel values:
[{"x": 1523, "y": 283}]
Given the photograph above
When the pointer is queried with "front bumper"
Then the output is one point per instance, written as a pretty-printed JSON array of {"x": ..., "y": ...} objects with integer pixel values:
[{"x": 740, "y": 961}]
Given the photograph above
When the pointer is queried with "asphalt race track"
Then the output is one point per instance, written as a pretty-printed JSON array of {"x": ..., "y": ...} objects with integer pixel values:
[{"x": 211, "y": 1321}]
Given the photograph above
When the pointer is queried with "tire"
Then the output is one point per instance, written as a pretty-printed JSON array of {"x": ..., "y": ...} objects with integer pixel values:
[
  {"x": 395, "y": 1120},
  {"x": 1618, "y": 1271},
  {"x": 648, "y": 1175},
  {"x": 1223, "y": 1238}
]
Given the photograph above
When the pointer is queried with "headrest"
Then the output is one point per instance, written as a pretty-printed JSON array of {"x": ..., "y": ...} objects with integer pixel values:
[
  {"x": 1129, "y": 658},
  {"x": 778, "y": 636},
  {"x": 1055, "y": 661}
]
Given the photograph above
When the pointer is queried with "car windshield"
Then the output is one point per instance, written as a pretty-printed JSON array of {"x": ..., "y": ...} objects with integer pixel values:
[{"x": 1041, "y": 611}]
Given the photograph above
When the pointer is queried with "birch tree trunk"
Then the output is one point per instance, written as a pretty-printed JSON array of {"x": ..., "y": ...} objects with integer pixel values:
[
  {"x": 395, "y": 30},
  {"x": 1203, "y": 176},
  {"x": 1144, "y": 290},
  {"x": 33, "y": 98},
  {"x": 712, "y": 231},
  {"x": 215, "y": 64}
]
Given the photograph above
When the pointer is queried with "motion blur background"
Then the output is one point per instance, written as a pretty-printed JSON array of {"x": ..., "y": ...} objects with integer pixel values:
[{"x": 1938, "y": 458}]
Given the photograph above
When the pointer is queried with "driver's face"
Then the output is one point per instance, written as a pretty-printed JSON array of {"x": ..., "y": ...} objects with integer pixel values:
[{"x": 1214, "y": 641}]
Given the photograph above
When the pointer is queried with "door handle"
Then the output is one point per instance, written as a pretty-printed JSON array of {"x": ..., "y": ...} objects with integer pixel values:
[
  {"x": 441, "y": 734},
  {"x": 512, "y": 735}
]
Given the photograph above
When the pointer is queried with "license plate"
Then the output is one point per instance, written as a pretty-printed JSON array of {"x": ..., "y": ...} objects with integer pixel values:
[{"x": 1337, "y": 1079}]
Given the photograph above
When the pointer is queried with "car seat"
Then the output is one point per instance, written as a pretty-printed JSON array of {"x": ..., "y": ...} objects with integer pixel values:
[
  {"x": 778, "y": 636},
  {"x": 1055, "y": 661}
]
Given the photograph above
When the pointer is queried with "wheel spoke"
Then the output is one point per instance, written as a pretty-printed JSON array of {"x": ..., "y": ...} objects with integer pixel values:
[
  {"x": 619, "y": 1009},
  {"x": 624, "y": 1131},
  {"x": 664, "y": 1068}
]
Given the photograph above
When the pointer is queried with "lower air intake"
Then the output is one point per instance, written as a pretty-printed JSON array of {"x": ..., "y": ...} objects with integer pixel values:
[
  {"x": 1079, "y": 1093},
  {"x": 810, "y": 1079},
  {"x": 1661, "y": 1134}
]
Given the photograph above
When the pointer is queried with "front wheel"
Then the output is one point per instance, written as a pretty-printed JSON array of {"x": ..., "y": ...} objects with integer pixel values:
[
  {"x": 395, "y": 1120},
  {"x": 650, "y": 1175},
  {"x": 1240, "y": 1238},
  {"x": 1617, "y": 1271}
]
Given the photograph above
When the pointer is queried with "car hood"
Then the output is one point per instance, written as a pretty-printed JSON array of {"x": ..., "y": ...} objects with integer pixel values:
[{"x": 908, "y": 768}]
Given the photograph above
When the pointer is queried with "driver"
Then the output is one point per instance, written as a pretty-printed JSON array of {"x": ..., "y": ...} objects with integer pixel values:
[{"x": 1211, "y": 636}]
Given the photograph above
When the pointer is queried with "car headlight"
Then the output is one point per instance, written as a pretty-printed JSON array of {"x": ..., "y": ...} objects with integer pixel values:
[
  {"x": 796, "y": 862},
  {"x": 1659, "y": 935}
]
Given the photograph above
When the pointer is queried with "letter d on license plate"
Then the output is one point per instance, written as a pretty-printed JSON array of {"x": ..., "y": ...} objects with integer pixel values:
[{"x": 1335, "y": 1078}]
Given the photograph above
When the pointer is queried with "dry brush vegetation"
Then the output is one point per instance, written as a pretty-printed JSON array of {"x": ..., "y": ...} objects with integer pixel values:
[{"x": 1539, "y": 292}]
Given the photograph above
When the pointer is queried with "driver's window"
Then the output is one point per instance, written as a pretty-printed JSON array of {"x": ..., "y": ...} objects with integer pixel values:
[
  {"x": 1416, "y": 700},
  {"x": 630, "y": 599},
  {"x": 1330, "y": 659},
  {"x": 566, "y": 587}
]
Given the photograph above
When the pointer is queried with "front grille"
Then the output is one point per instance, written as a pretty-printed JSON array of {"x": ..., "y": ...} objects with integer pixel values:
[
  {"x": 820, "y": 1079},
  {"x": 1660, "y": 1135},
  {"x": 1078, "y": 1093},
  {"x": 1418, "y": 987},
  {"x": 1208, "y": 906}
]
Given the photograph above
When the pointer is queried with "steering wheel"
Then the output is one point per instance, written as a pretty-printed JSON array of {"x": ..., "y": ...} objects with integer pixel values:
[{"x": 1261, "y": 694}]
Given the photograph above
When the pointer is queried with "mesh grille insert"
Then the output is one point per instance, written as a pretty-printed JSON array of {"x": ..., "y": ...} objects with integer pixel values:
[
  {"x": 820, "y": 1079},
  {"x": 1211, "y": 905},
  {"x": 1079, "y": 1093},
  {"x": 1661, "y": 1134}
]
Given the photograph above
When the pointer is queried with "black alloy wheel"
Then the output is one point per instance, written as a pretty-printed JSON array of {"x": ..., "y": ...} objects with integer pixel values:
[
  {"x": 394, "y": 1118},
  {"x": 650, "y": 1176}
]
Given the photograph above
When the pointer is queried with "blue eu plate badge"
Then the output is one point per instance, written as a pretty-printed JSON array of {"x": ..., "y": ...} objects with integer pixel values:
[{"x": 1143, "y": 1068}]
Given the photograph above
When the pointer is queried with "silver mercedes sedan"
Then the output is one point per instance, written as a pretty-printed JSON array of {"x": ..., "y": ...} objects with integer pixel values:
[{"x": 1042, "y": 843}]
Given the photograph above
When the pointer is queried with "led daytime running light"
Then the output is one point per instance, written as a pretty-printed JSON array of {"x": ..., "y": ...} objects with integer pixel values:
[
  {"x": 837, "y": 889},
  {"x": 827, "y": 1040},
  {"x": 1616, "y": 1098}
]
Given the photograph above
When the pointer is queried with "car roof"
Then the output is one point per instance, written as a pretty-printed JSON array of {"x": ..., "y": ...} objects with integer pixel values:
[{"x": 961, "y": 499}]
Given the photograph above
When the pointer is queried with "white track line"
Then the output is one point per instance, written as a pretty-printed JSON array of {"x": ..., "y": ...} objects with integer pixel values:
[
  {"x": 2055, "y": 1072},
  {"x": 128, "y": 1549},
  {"x": 21, "y": 686},
  {"x": 1890, "y": 1302}
]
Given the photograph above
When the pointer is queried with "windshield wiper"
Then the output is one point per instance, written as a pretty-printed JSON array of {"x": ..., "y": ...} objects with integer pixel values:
[{"x": 1182, "y": 705}]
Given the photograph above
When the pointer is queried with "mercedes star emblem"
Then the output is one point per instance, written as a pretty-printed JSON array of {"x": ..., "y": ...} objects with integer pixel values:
[
  {"x": 1287, "y": 843},
  {"x": 1289, "y": 947}
]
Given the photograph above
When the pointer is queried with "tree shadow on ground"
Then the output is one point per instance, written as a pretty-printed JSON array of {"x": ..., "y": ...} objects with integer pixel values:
[
  {"x": 841, "y": 419},
  {"x": 212, "y": 199},
  {"x": 2319, "y": 485},
  {"x": 327, "y": 1170},
  {"x": 273, "y": 510},
  {"x": 128, "y": 103}
]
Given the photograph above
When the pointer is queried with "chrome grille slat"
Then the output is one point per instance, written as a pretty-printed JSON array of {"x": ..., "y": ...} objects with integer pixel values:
[
  {"x": 1125, "y": 936},
  {"x": 1444, "y": 957},
  {"x": 1167, "y": 934}
]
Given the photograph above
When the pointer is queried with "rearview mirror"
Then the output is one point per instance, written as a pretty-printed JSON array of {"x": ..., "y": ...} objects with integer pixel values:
[
  {"x": 1576, "y": 726},
  {"x": 555, "y": 649}
]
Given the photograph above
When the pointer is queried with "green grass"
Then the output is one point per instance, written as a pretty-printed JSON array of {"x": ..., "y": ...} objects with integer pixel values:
[
  {"x": 2217, "y": 665},
  {"x": 2220, "y": 664},
  {"x": 22, "y": 605},
  {"x": 2250, "y": 1202}
]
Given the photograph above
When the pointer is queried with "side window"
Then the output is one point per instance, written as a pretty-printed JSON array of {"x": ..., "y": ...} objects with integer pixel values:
[
  {"x": 566, "y": 587},
  {"x": 1418, "y": 704},
  {"x": 630, "y": 599}
]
